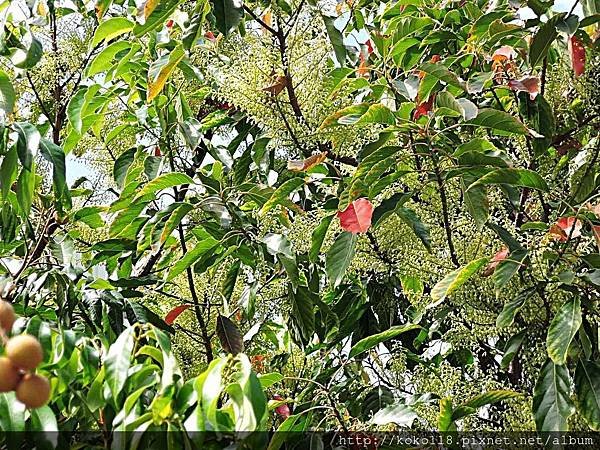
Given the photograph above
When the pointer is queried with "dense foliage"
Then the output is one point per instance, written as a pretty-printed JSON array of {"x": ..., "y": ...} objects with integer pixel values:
[{"x": 301, "y": 214}]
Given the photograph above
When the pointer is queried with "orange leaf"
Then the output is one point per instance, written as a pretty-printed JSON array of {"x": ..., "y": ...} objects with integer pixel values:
[
  {"x": 496, "y": 259},
  {"x": 308, "y": 163},
  {"x": 174, "y": 313},
  {"x": 577, "y": 53},
  {"x": 506, "y": 52},
  {"x": 277, "y": 87},
  {"x": 356, "y": 218},
  {"x": 363, "y": 67}
]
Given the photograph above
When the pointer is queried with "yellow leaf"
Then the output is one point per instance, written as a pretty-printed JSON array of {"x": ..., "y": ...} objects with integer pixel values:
[{"x": 161, "y": 69}]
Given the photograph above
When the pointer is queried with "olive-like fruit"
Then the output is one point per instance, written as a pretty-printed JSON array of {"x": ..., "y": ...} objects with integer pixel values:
[
  {"x": 33, "y": 391},
  {"x": 9, "y": 375},
  {"x": 24, "y": 351},
  {"x": 7, "y": 316}
]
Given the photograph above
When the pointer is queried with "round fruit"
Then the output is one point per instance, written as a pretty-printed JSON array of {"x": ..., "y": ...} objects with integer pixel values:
[
  {"x": 33, "y": 391},
  {"x": 7, "y": 316},
  {"x": 25, "y": 351},
  {"x": 9, "y": 375}
]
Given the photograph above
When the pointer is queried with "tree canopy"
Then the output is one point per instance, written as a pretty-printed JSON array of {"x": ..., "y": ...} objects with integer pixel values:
[{"x": 290, "y": 215}]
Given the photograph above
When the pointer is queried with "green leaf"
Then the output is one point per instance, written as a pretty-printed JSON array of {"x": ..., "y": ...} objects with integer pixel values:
[
  {"x": 552, "y": 404},
  {"x": 336, "y": 38},
  {"x": 28, "y": 58},
  {"x": 442, "y": 73},
  {"x": 499, "y": 121},
  {"x": 122, "y": 164},
  {"x": 339, "y": 257},
  {"x": 318, "y": 236},
  {"x": 269, "y": 379},
  {"x": 587, "y": 388},
  {"x": 103, "y": 60},
  {"x": 7, "y": 93},
  {"x": 541, "y": 42},
  {"x": 372, "y": 341},
  {"x": 118, "y": 361},
  {"x": 28, "y": 143},
  {"x": 44, "y": 423},
  {"x": 8, "y": 171},
  {"x": 12, "y": 413},
  {"x": 507, "y": 268},
  {"x": 513, "y": 177},
  {"x": 161, "y": 69},
  {"x": 228, "y": 14},
  {"x": 477, "y": 204},
  {"x": 400, "y": 414},
  {"x": 303, "y": 314},
  {"x": 26, "y": 188},
  {"x": 507, "y": 316},
  {"x": 160, "y": 13},
  {"x": 283, "y": 432},
  {"x": 487, "y": 398},
  {"x": 75, "y": 107},
  {"x": 56, "y": 156},
  {"x": 281, "y": 194},
  {"x": 445, "y": 422},
  {"x": 164, "y": 181},
  {"x": 191, "y": 257},
  {"x": 361, "y": 114},
  {"x": 419, "y": 228},
  {"x": 110, "y": 29},
  {"x": 174, "y": 219},
  {"x": 454, "y": 280},
  {"x": 511, "y": 348},
  {"x": 563, "y": 329}
]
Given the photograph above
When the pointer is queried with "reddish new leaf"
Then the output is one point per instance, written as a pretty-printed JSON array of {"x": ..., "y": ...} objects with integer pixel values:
[
  {"x": 174, "y": 313},
  {"x": 496, "y": 259},
  {"x": 356, "y": 218},
  {"x": 210, "y": 36},
  {"x": 566, "y": 228},
  {"x": 577, "y": 53},
  {"x": 423, "y": 108},
  {"x": 530, "y": 85}
]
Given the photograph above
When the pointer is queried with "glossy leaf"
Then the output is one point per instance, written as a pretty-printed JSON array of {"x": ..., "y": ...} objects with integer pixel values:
[
  {"x": 161, "y": 69},
  {"x": 587, "y": 388},
  {"x": 339, "y": 257},
  {"x": 563, "y": 329},
  {"x": 552, "y": 404},
  {"x": 175, "y": 313},
  {"x": 110, "y": 29},
  {"x": 373, "y": 341},
  {"x": 281, "y": 194},
  {"x": 7, "y": 93},
  {"x": 454, "y": 280}
]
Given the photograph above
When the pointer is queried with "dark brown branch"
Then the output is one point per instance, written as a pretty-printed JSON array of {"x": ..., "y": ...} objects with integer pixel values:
[{"x": 445, "y": 216}]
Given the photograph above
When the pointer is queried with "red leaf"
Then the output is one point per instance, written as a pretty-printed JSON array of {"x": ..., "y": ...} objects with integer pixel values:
[
  {"x": 210, "y": 36},
  {"x": 356, "y": 218},
  {"x": 174, "y": 313},
  {"x": 496, "y": 259},
  {"x": 157, "y": 151},
  {"x": 170, "y": 23},
  {"x": 565, "y": 228},
  {"x": 423, "y": 108},
  {"x": 369, "y": 45},
  {"x": 526, "y": 84},
  {"x": 577, "y": 53}
]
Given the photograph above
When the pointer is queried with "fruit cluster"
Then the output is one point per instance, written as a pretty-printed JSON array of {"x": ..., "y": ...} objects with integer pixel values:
[{"x": 23, "y": 354}]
